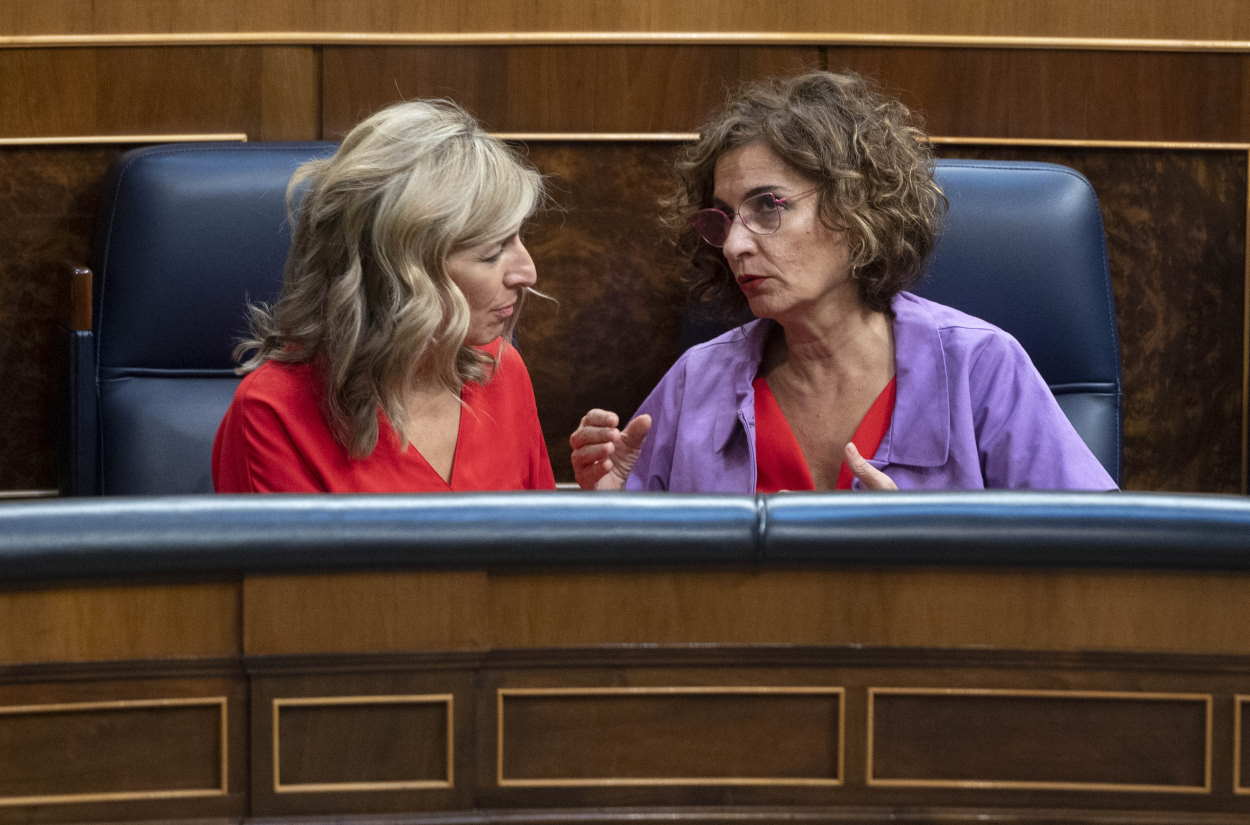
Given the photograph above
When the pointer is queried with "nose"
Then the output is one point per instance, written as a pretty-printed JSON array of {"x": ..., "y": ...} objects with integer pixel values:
[
  {"x": 738, "y": 241},
  {"x": 521, "y": 271}
]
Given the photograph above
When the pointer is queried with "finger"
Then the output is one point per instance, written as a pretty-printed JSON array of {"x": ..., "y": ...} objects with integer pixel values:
[
  {"x": 589, "y": 454},
  {"x": 586, "y": 435},
  {"x": 636, "y": 432},
  {"x": 868, "y": 475},
  {"x": 600, "y": 418},
  {"x": 589, "y": 476}
]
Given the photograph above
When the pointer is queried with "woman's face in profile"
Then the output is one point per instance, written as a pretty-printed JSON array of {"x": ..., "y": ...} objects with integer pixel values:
[
  {"x": 799, "y": 267},
  {"x": 491, "y": 277}
]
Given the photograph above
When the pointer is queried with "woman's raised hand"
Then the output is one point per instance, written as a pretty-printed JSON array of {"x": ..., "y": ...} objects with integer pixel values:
[
  {"x": 602, "y": 454},
  {"x": 868, "y": 475}
]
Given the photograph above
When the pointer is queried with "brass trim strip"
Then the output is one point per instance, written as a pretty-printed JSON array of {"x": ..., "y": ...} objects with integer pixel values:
[
  {"x": 86, "y": 140},
  {"x": 662, "y": 38},
  {"x": 219, "y": 702},
  {"x": 594, "y": 137},
  {"x": 390, "y": 785},
  {"x": 1077, "y": 143},
  {"x": 1238, "y": 701},
  {"x": 977, "y": 784},
  {"x": 815, "y": 690}
]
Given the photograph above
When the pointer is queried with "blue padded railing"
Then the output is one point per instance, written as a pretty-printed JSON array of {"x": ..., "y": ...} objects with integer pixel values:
[{"x": 196, "y": 535}]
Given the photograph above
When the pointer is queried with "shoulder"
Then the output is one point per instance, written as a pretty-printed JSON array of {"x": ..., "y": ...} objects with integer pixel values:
[
  {"x": 963, "y": 337},
  {"x": 740, "y": 345},
  {"x": 279, "y": 384}
]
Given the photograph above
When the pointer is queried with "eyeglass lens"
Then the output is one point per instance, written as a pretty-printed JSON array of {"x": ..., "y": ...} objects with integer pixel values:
[{"x": 759, "y": 213}]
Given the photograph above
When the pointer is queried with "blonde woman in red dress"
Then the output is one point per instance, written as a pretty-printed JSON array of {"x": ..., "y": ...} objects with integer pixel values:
[{"x": 384, "y": 365}]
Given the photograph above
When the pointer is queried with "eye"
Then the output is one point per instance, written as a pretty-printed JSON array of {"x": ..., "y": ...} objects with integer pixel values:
[{"x": 768, "y": 202}]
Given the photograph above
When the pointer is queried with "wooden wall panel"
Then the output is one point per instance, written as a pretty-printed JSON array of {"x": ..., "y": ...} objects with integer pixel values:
[
  {"x": 79, "y": 624},
  {"x": 48, "y": 201},
  {"x": 1060, "y": 740},
  {"x": 1075, "y": 95},
  {"x": 1176, "y": 229},
  {"x": 512, "y": 89},
  {"x": 1196, "y": 20},
  {"x": 575, "y": 737},
  {"x": 158, "y": 91}
]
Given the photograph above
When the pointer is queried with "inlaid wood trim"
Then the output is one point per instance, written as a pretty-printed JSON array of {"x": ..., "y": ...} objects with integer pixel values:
[
  {"x": 661, "y": 38},
  {"x": 1238, "y": 720},
  {"x": 92, "y": 140},
  {"x": 598, "y": 137},
  {"x": 219, "y": 702},
  {"x": 500, "y": 720},
  {"x": 279, "y": 786},
  {"x": 1205, "y": 699}
]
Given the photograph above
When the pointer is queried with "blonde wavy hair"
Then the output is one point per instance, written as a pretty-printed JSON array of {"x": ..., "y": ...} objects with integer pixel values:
[
  {"x": 868, "y": 156},
  {"x": 366, "y": 297}
]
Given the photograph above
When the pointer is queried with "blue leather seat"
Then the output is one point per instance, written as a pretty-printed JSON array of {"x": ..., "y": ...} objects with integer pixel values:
[
  {"x": 186, "y": 234},
  {"x": 1023, "y": 248}
]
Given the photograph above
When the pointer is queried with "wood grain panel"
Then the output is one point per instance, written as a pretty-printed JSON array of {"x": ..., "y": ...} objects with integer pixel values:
[
  {"x": 1025, "y": 610},
  {"x": 360, "y": 736},
  {"x": 1199, "y": 20},
  {"x": 1065, "y": 94},
  {"x": 119, "y": 622},
  {"x": 601, "y": 88},
  {"x": 615, "y": 329},
  {"x": 135, "y": 91},
  {"x": 1055, "y": 740},
  {"x": 48, "y": 201},
  {"x": 665, "y": 736},
  {"x": 362, "y": 743},
  {"x": 379, "y": 612},
  {"x": 105, "y": 751},
  {"x": 1176, "y": 243}
]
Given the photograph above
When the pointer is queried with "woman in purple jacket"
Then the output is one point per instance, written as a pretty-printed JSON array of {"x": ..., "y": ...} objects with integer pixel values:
[{"x": 811, "y": 200}]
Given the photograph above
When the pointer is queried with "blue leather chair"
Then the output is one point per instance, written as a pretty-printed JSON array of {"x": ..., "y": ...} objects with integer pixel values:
[
  {"x": 186, "y": 234},
  {"x": 1023, "y": 248}
]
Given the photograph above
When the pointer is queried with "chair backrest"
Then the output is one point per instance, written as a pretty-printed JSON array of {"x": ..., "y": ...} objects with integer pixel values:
[
  {"x": 1023, "y": 248},
  {"x": 187, "y": 235}
]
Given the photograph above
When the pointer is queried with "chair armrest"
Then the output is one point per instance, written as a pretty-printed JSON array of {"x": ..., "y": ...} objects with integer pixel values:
[{"x": 78, "y": 459}]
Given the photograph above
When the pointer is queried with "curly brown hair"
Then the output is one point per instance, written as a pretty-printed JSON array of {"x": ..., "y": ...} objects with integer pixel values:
[{"x": 865, "y": 151}]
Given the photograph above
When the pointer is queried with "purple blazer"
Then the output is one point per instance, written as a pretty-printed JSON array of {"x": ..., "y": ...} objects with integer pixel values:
[{"x": 971, "y": 412}]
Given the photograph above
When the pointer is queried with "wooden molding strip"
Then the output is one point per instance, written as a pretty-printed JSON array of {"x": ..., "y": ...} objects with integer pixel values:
[
  {"x": 84, "y": 140},
  {"x": 546, "y": 38}
]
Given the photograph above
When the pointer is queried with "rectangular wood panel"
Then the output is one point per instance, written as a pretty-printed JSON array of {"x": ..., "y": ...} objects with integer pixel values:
[
  {"x": 1064, "y": 94},
  {"x": 1200, "y": 19},
  {"x": 112, "y": 751},
  {"x": 669, "y": 735},
  {"x": 362, "y": 743},
  {"x": 552, "y": 88},
  {"x": 264, "y": 93},
  {"x": 1060, "y": 740},
  {"x": 119, "y": 622}
]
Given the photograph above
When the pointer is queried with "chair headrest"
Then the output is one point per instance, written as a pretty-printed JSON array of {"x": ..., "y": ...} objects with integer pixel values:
[
  {"x": 189, "y": 233},
  {"x": 1023, "y": 248}
]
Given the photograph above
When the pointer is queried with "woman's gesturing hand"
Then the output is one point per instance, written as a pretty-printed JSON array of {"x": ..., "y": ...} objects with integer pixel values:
[
  {"x": 602, "y": 454},
  {"x": 868, "y": 475}
]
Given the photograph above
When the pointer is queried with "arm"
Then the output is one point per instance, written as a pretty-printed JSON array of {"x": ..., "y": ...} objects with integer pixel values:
[{"x": 1024, "y": 439}]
